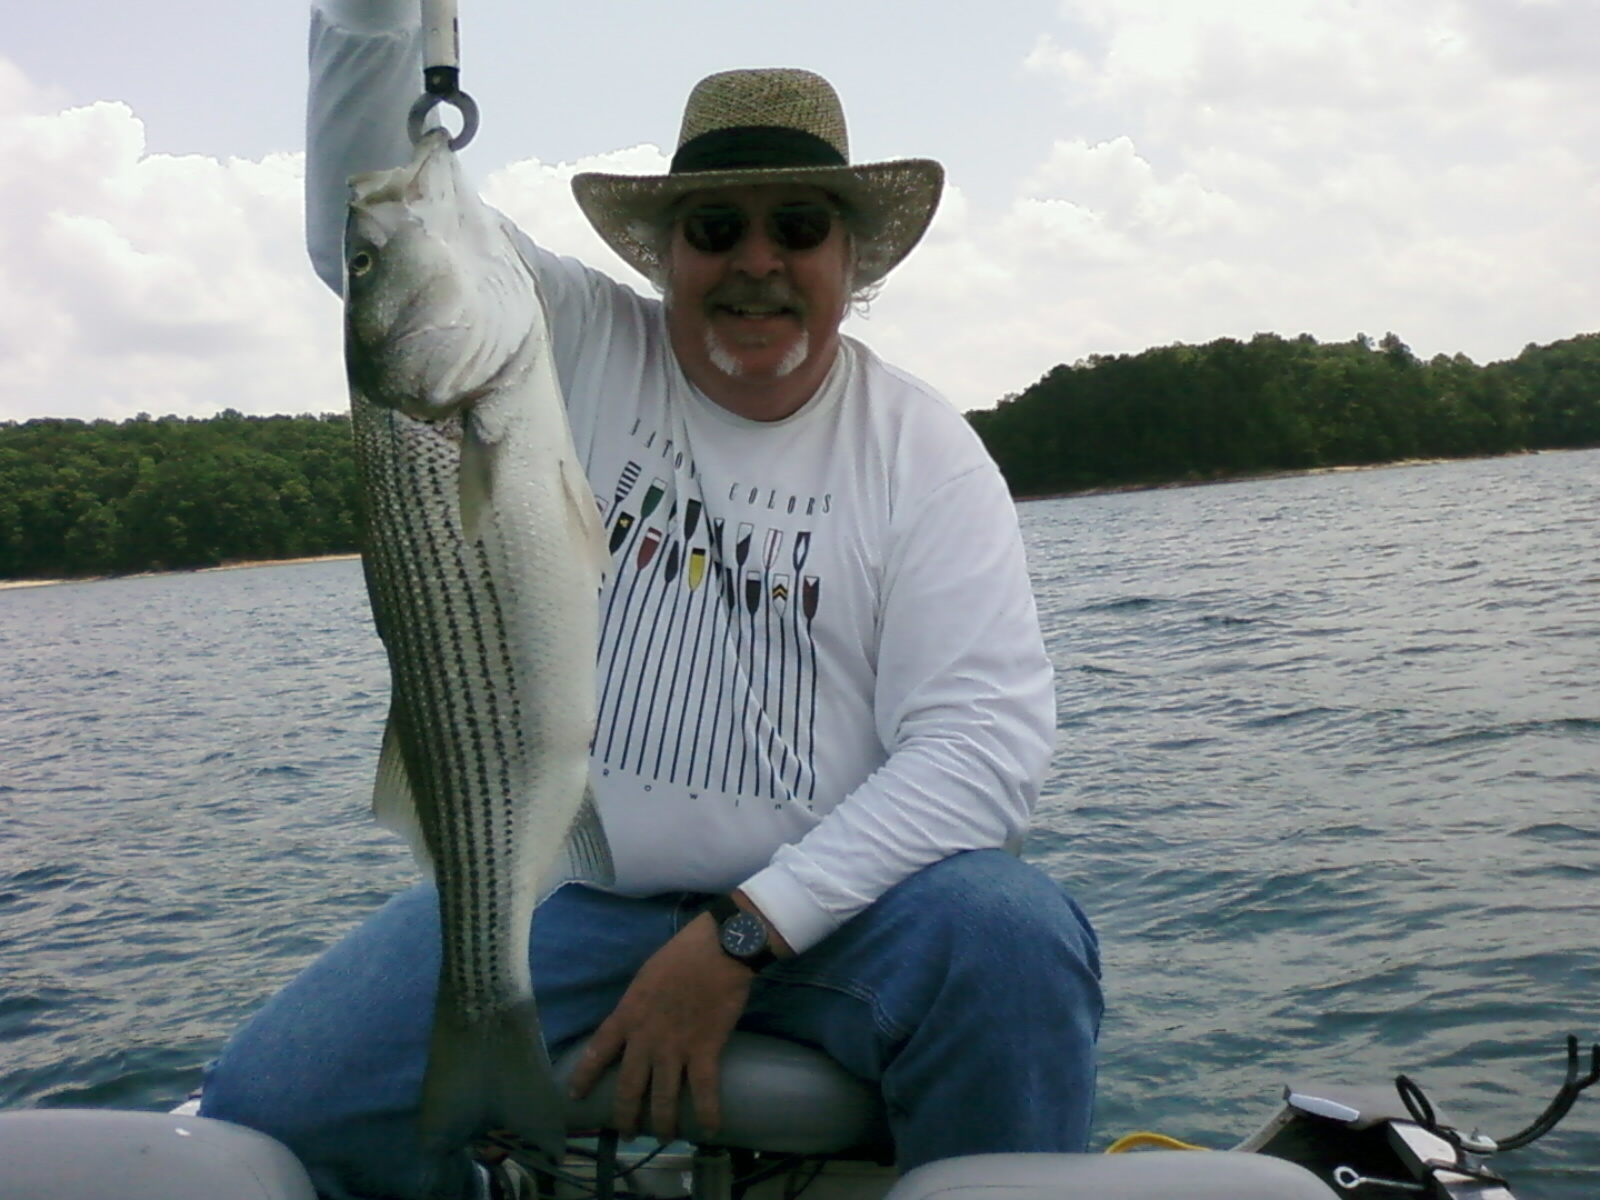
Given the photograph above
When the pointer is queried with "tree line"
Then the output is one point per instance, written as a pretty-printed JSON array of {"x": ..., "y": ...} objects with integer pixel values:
[
  {"x": 92, "y": 498},
  {"x": 1231, "y": 408}
]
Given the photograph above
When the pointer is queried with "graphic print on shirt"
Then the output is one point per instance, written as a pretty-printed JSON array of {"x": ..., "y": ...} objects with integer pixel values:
[{"x": 708, "y": 662}]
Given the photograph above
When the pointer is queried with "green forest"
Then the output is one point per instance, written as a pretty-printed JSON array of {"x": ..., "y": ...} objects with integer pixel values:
[
  {"x": 1229, "y": 408},
  {"x": 94, "y": 498}
]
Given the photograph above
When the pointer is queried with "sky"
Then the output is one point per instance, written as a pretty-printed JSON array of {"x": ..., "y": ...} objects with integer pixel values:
[{"x": 1122, "y": 174}]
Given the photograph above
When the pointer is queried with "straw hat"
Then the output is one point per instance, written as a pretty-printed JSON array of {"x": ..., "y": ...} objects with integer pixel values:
[{"x": 772, "y": 125}]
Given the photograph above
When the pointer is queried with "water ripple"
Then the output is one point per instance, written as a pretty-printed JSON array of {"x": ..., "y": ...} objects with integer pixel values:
[
  {"x": 1354, "y": 839},
  {"x": 1326, "y": 784}
]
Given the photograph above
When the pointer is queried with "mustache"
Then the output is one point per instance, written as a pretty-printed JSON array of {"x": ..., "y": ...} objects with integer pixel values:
[{"x": 743, "y": 292}]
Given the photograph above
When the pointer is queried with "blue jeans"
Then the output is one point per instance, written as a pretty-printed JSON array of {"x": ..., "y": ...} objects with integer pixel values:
[{"x": 970, "y": 993}]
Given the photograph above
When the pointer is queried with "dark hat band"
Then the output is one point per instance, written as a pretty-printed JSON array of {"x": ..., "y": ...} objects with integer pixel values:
[{"x": 754, "y": 148}]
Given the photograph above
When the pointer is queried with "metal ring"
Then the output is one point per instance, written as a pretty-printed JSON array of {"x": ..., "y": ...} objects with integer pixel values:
[{"x": 425, "y": 104}]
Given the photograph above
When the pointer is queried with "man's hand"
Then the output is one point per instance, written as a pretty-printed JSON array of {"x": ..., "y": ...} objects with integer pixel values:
[{"x": 672, "y": 1022}]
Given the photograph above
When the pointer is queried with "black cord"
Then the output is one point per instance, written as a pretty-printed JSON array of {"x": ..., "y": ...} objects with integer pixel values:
[
  {"x": 791, "y": 1192},
  {"x": 1459, "y": 1167},
  {"x": 763, "y": 1173},
  {"x": 605, "y": 1165},
  {"x": 1422, "y": 1113},
  {"x": 1558, "y": 1108},
  {"x": 605, "y": 1154}
]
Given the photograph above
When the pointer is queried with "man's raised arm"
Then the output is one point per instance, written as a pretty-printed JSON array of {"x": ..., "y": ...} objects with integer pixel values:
[{"x": 365, "y": 59}]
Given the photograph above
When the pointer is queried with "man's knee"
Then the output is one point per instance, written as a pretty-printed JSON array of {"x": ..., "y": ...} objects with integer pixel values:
[{"x": 994, "y": 901}]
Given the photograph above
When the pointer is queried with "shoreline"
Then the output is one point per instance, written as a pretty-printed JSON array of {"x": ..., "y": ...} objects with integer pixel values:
[
  {"x": 1107, "y": 490},
  {"x": 1114, "y": 489},
  {"x": 243, "y": 565}
]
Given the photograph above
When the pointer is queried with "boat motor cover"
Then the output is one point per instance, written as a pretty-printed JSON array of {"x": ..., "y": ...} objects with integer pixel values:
[
  {"x": 95, "y": 1153},
  {"x": 1144, "y": 1175}
]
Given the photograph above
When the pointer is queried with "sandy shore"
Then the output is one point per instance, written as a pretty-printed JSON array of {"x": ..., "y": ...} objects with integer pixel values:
[
  {"x": 231, "y": 566},
  {"x": 22, "y": 583},
  {"x": 1115, "y": 489}
]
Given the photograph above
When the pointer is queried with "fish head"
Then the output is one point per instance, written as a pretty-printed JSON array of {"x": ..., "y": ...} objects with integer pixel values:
[{"x": 438, "y": 299}]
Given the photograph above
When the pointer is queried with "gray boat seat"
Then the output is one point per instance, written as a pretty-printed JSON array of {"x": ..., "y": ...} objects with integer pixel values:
[
  {"x": 96, "y": 1153},
  {"x": 1145, "y": 1175},
  {"x": 777, "y": 1096}
]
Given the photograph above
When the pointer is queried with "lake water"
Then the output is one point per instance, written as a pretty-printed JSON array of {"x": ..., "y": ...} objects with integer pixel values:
[{"x": 1329, "y": 785}]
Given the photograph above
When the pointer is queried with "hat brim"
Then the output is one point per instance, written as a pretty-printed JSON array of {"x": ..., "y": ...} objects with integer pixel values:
[{"x": 891, "y": 205}]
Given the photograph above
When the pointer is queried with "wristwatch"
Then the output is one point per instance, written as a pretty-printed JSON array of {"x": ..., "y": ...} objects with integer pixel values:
[{"x": 741, "y": 934}]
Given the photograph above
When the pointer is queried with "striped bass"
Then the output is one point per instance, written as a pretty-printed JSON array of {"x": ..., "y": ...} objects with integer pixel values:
[{"x": 483, "y": 561}]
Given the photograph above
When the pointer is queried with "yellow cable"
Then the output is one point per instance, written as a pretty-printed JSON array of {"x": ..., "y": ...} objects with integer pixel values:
[{"x": 1134, "y": 1140}]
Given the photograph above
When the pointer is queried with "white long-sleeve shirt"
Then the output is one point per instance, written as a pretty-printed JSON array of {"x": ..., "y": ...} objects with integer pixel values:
[{"x": 820, "y": 664}]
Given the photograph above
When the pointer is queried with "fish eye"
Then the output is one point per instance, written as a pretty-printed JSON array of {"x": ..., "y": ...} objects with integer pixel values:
[{"x": 361, "y": 262}]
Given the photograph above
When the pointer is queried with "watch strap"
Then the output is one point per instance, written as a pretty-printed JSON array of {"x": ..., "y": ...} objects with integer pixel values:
[{"x": 722, "y": 909}]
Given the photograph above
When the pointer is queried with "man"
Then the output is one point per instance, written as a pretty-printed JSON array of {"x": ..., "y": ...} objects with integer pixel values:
[{"x": 825, "y": 705}]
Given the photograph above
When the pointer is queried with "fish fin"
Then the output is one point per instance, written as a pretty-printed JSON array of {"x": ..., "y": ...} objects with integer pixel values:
[
  {"x": 394, "y": 804},
  {"x": 476, "y": 480},
  {"x": 585, "y": 856},
  {"x": 489, "y": 1074},
  {"x": 585, "y": 514}
]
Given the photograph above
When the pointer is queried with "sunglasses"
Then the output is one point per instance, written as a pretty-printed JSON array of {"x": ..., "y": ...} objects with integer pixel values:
[{"x": 718, "y": 228}]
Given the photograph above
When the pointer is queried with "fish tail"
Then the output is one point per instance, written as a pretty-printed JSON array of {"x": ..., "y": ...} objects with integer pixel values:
[{"x": 490, "y": 1074}]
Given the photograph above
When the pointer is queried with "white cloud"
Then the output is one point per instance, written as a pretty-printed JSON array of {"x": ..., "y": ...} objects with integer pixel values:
[
  {"x": 136, "y": 282},
  {"x": 1218, "y": 167},
  {"x": 1327, "y": 166},
  {"x": 20, "y": 96},
  {"x": 143, "y": 282},
  {"x": 538, "y": 197},
  {"x": 1115, "y": 183}
]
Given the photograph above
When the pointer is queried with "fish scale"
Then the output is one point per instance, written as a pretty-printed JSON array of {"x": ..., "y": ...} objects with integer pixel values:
[
  {"x": 435, "y": 600},
  {"x": 441, "y": 626}
]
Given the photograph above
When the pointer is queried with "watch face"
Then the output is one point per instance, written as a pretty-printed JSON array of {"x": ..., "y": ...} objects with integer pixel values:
[{"x": 743, "y": 934}]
